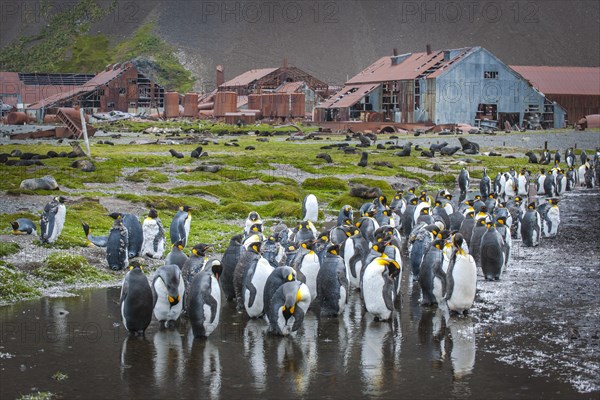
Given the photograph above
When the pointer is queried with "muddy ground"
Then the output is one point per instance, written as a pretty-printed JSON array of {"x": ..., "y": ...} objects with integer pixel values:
[{"x": 544, "y": 313}]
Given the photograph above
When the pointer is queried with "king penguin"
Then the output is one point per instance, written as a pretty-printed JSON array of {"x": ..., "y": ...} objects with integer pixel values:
[
  {"x": 531, "y": 226},
  {"x": 176, "y": 255},
  {"x": 52, "y": 220},
  {"x": 307, "y": 265},
  {"x": 355, "y": 249},
  {"x": 288, "y": 306},
  {"x": 475, "y": 243},
  {"x": 136, "y": 300},
  {"x": 378, "y": 287},
  {"x": 485, "y": 184},
  {"x": 180, "y": 225},
  {"x": 345, "y": 216},
  {"x": 252, "y": 219},
  {"x": 153, "y": 245},
  {"x": 463, "y": 183},
  {"x": 492, "y": 253},
  {"x": 204, "y": 310},
  {"x": 332, "y": 284},
  {"x": 249, "y": 257},
  {"x": 278, "y": 277},
  {"x": 432, "y": 261},
  {"x": 194, "y": 264},
  {"x": 168, "y": 291},
  {"x": 310, "y": 208},
  {"x": 134, "y": 230},
  {"x": 23, "y": 226},
  {"x": 461, "y": 279},
  {"x": 98, "y": 241},
  {"x": 117, "y": 244},
  {"x": 230, "y": 259},
  {"x": 550, "y": 215},
  {"x": 253, "y": 290}
]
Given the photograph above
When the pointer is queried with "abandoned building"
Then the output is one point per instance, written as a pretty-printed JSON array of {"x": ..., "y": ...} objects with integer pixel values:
[
  {"x": 18, "y": 90},
  {"x": 120, "y": 87},
  {"x": 467, "y": 85},
  {"x": 576, "y": 89}
]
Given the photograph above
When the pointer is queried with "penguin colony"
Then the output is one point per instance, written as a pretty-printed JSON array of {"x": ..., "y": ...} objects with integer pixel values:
[{"x": 279, "y": 277}]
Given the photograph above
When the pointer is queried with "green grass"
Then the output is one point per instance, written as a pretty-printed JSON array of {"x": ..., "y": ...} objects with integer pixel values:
[
  {"x": 146, "y": 175},
  {"x": 15, "y": 285},
  {"x": 38, "y": 396},
  {"x": 69, "y": 269},
  {"x": 6, "y": 249}
]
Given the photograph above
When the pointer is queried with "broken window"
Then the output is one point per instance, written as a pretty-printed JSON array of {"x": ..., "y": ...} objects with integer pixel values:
[
  {"x": 487, "y": 111},
  {"x": 490, "y": 74}
]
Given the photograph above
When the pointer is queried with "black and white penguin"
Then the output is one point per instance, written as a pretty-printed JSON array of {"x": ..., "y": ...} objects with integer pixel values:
[
  {"x": 345, "y": 216},
  {"x": 523, "y": 183},
  {"x": 52, "y": 220},
  {"x": 153, "y": 245},
  {"x": 492, "y": 253},
  {"x": 461, "y": 279},
  {"x": 180, "y": 225},
  {"x": 475, "y": 243},
  {"x": 230, "y": 259},
  {"x": 305, "y": 231},
  {"x": 117, "y": 254},
  {"x": 407, "y": 219},
  {"x": 339, "y": 234},
  {"x": 307, "y": 265},
  {"x": 252, "y": 219},
  {"x": 204, "y": 303},
  {"x": 249, "y": 256},
  {"x": 288, "y": 306},
  {"x": 561, "y": 182},
  {"x": 503, "y": 228},
  {"x": 440, "y": 213},
  {"x": 367, "y": 226},
  {"x": 531, "y": 226},
  {"x": 491, "y": 202},
  {"x": 510, "y": 187},
  {"x": 253, "y": 289},
  {"x": 541, "y": 179},
  {"x": 583, "y": 157},
  {"x": 432, "y": 261},
  {"x": 571, "y": 179},
  {"x": 23, "y": 226},
  {"x": 485, "y": 184},
  {"x": 466, "y": 227},
  {"x": 194, "y": 264},
  {"x": 378, "y": 287},
  {"x": 549, "y": 185},
  {"x": 332, "y": 284},
  {"x": 570, "y": 157},
  {"x": 463, "y": 183},
  {"x": 273, "y": 251},
  {"x": 499, "y": 184},
  {"x": 420, "y": 243},
  {"x": 278, "y": 277},
  {"x": 550, "y": 215},
  {"x": 355, "y": 249},
  {"x": 98, "y": 241},
  {"x": 176, "y": 255},
  {"x": 134, "y": 230},
  {"x": 168, "y": 289},
  {"x": 310, "y": 208},
  {"x": 398, "y": 204},
  {"x": 136, "y": 300}
]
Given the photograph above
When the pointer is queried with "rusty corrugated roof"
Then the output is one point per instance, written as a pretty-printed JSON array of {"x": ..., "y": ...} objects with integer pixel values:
[
  {"x": 248, "y": 77},
  {"x": 100, "y": 79},
  {"x": 290, "y": 87},
  {"x": 408, "y": 66},
  {"x": 349, "y": 95},
  {"x": 562, "y": 80}
]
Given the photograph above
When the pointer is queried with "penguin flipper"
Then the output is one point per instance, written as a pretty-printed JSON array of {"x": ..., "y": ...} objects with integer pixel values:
[
  {"x": 208, "y": 299},
  {"x": 449, "y": 277},
  {"x": 252, "y": 289},
  {"x": 388, "y": 292},
  {"x": 124, "y": 291},
  {"x": 439, "y": 273}
]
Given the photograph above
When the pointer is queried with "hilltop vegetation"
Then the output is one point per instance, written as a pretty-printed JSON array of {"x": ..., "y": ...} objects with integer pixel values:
[{"x": 66, "y": 45}]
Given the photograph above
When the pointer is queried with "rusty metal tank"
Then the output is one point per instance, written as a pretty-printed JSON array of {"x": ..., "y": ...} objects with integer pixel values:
[
  {"x": 225, "y": 102},
  {"x": 171, "y": 104},
  {"x": 297, "y": 104},
  {"x": 190, "y": 105}
]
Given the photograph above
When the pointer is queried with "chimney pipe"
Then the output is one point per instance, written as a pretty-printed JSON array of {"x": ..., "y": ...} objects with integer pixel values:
[
  {"x": 428, "y": 47},
  {"x": 395, "y": 52},
  {"x": 220, "y": 76}
]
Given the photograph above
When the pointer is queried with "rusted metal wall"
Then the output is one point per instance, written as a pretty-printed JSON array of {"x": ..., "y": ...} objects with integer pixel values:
[
  {"x": 577, "y": 106},
  {"x": 121, "y": 91}
]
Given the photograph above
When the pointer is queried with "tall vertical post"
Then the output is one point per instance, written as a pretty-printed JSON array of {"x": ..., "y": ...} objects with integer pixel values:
[{"x": 84, "y": 130}]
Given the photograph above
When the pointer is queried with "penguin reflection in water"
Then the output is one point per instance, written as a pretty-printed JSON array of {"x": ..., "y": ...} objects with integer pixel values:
[{"x": 136, "y": 300}]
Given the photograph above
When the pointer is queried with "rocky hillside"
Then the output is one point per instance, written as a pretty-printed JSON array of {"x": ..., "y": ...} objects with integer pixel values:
[{"x": 336, "y": 39}]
